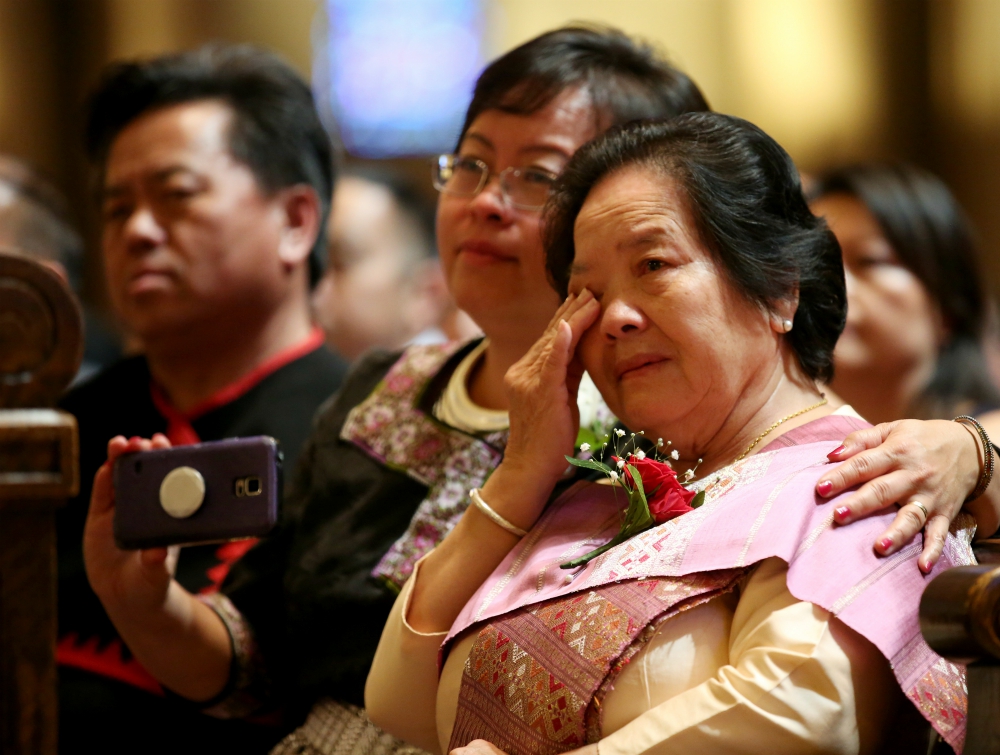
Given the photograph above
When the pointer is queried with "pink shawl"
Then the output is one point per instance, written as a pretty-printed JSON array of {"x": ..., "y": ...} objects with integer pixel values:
[{"x": 759, "y": 508}]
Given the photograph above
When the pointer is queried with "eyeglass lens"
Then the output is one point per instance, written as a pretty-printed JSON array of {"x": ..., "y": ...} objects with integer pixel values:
[{"x": 465, "y": 177}]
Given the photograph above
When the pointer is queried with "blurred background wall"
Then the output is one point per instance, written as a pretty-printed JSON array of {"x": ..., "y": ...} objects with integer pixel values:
[{"x": 832, "y": 80}]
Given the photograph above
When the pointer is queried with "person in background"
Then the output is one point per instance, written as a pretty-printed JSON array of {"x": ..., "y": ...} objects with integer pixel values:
[
  {"x": 383, "y": 286},
  {"x": 34, "y": 220},
  {"x": 913, "y": 345},
  {"x": 214, "y": 181},
  {"x": 917, "y": 304}
]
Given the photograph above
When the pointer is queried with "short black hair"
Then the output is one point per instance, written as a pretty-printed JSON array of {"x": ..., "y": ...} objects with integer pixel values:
[
  {"x": 746, "y": 198},
  {"x": 275, "y": 131},
  {"x": 933, "y": 238},
  {"x": 626, "y": 79}
]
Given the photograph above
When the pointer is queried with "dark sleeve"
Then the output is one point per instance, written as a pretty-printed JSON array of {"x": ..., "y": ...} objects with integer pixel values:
[
  {"x": 114, "y": 402},
  {"x": 307, "y": 592}
]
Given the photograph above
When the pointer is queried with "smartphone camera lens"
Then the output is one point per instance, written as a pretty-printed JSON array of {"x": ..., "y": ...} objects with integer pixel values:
[{"x": 253, "y": 486}]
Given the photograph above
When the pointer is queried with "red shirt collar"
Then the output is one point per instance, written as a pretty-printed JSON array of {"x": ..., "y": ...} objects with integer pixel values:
[{"x": 179, "y": 429}]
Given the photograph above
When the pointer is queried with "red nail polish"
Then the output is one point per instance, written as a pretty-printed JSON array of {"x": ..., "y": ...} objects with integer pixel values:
[
  {"x": 837, "y": 451},
  {"x": 824, "y": 488},
  {"x": 885, "y": 543},
  {"x": 842, "y": 513}
]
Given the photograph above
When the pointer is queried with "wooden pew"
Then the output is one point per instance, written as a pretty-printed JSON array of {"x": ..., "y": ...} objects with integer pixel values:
[
  {"x": 960, "y": 619},
  {"x": 41, "y": 346}
]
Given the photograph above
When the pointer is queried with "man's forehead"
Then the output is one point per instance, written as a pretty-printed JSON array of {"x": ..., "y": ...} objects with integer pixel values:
[{"x": 170, "y": 137}]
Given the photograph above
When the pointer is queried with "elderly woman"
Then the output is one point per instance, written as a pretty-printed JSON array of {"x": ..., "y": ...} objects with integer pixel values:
[{"x": 705, "y": 301}]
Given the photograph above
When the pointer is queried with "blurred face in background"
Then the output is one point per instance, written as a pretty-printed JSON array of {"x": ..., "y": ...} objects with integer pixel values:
[
  {"x": 894, "y": 329},
  {"x": 380, "y": 288},
  {"x": 492, "y": 252},
  {"x": 191, "y": 243}
]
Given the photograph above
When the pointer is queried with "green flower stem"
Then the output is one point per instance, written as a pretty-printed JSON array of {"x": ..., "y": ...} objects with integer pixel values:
[{"x": 621, "y": 537}]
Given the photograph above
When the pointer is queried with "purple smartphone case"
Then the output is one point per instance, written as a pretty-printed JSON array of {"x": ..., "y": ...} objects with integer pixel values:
[{"x": 141, "y": 522}]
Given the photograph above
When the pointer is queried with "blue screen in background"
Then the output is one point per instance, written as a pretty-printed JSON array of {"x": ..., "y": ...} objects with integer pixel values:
[{"x": 400, "y": 73}]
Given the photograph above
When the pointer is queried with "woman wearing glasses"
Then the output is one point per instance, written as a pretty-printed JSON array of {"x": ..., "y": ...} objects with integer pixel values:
[{"x": 388, "y": 469}]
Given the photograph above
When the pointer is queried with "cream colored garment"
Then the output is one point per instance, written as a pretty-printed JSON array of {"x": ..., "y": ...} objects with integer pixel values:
[
  {"x": 764, "y": 673},
  {"x": 456, "y": 408}
]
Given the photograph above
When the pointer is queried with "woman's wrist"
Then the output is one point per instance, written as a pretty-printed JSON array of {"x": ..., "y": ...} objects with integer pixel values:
[
  {"x": 984, "y": 456},
  {"x": 516, "y": 495}
]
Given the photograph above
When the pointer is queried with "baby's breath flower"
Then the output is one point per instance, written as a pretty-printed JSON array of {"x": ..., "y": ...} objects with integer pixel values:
[
  {"x": 640, "y": 454},
  {"x": 613, "y": 475},
  {"x": 688, "y": 475},
  {"x": 620, "y": 433},
  {"x": 621, "y": 463},
  {"x": 584, "y": 446},
  {"x": 659, "y": 442},
  {"x": 674, "y": 455}
]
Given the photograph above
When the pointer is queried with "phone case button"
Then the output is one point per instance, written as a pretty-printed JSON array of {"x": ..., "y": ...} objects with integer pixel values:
[{"x": 182, "y": 492}]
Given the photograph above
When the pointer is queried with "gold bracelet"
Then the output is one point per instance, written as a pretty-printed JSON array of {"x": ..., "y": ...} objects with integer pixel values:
[
  {"x": 988, "y": 459},
  {"x": 498, "y": 520}
]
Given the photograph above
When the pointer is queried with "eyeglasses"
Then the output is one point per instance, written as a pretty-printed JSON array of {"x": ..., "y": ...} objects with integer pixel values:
[{"x": 524, "y": 188}]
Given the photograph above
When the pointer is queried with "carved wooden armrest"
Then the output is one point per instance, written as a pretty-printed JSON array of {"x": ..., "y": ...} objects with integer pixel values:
[{"x": 40, "y": 351}]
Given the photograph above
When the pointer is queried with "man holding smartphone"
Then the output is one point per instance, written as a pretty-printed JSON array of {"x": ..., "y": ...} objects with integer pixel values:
[{"x": 215, "y": 179}]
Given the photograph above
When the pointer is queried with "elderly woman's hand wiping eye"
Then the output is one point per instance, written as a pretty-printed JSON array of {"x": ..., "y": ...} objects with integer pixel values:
[
  {"x": 542, "y": 388},
  {"x": 935, "y": 462}
]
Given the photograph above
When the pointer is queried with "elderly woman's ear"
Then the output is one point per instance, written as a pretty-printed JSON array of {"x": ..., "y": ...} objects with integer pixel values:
[{"x": 782, "y": 315}]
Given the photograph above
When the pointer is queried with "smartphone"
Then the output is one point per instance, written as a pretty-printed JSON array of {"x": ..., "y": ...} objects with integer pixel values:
[{"x": 202, "y": 493}]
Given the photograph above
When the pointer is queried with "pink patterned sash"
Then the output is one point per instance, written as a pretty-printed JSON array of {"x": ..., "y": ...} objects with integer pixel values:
[
  {"x": 536, "y": 677},
  {"x": 759, "y": 508}
]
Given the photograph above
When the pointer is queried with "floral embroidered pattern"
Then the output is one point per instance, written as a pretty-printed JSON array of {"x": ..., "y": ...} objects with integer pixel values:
[
  {"x": 388, "y": 426},
  {"x": 532, "y": 675}
]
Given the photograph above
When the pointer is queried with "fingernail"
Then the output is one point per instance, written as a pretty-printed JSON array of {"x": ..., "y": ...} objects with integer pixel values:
[
  {"x": 825, "y": 488},
  {"x": 837, "y": 451},
  {"x": 885, "y": 544},
  {"x": 842, "y": 513}
]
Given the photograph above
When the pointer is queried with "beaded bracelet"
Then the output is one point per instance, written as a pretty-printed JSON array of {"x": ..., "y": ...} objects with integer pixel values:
[
  {"x": 494, "y": 516},
  {"x": 988, "y": 457}
]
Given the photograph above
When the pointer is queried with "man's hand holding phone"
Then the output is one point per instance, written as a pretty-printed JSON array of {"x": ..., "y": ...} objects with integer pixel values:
[
  {"x": 181, "y": 641},
  {"x": 130, "y": 580}
]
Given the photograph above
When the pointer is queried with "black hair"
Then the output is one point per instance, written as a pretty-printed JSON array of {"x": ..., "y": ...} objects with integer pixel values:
[
  {"x": 934, "y": 239},
  {"x": 746, "y": 198},
  {"x": 275, "y": 130},
  {"x": 627, "y": 80}
]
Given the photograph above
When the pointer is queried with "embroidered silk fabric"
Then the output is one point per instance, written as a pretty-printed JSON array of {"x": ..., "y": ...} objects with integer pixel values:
[
  {"x": 389, "y": 426},
  {"x": 758, "y": 661},
  {"x": 534, "y": 679},
  {"x": 757, "y": 510}
]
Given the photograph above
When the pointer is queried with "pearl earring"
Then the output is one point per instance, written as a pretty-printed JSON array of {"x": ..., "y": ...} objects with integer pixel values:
[{"x": 786, "y": 325}]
